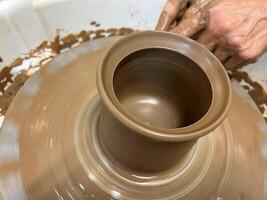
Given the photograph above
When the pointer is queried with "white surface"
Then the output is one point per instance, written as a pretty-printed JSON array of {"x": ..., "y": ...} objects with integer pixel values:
[
  {"x": 24, "y": 24},
  {"x": 20, "y": 29}
]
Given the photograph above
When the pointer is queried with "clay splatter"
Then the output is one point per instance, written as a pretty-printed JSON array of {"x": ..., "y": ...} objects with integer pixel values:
[
  {"x": 94, "y": 23},
  {"x": 254, "y": 89},
  {"x": 13, "y": 76}
]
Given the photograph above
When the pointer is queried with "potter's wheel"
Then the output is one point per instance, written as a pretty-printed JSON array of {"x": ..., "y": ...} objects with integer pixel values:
[{"x": 67, "y": 163}]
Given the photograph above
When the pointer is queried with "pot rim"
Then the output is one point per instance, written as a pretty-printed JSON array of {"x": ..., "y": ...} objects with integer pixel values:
[{"x": 213, "y": 69}]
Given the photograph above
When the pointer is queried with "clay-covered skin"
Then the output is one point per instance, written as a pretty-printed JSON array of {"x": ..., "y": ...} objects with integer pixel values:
[{"x": 235, "y": 30}]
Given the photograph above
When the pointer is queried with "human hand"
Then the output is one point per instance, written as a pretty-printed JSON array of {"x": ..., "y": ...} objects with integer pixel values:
[{"x": 234, "y": 30}]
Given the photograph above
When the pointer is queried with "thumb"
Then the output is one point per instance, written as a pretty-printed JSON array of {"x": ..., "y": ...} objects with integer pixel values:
[{"x": 169, "y": 13}]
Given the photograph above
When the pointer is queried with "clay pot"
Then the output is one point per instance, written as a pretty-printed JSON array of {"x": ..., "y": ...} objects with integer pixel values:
[{"x": 156, "y": 102}]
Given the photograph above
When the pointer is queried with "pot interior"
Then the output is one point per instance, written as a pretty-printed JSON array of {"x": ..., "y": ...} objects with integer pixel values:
[{"x": 162, "y": 88}]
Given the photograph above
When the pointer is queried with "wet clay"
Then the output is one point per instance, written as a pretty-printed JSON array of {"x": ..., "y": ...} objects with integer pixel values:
[
  {"x": 77, "y": 155},
  {"x": 94, "y": 23},
  {"x": 184, "y": 17},
  {"x": 140, "y": 90},
  {"x": 156, "y": 101},
  {"x": 257, "y": 93},
  {"x": 10, "y": 83}
]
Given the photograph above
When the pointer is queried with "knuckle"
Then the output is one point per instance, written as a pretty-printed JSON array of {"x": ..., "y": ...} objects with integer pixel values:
[
  {"x": 222, "y": 27},
  {"x": 236, "y": 42},
  {"x": 218, "y": 25}
]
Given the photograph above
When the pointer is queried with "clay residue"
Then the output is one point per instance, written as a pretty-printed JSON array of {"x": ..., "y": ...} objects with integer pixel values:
[
  {"x": 5, "y": 76},
  {"x": 254, "y": 89},
  {"x": 94, "y": 23},
  {"x": 13, "y": 76},
  {"x": 60, "y": 44},
  {"x": 12, "y": 90}
]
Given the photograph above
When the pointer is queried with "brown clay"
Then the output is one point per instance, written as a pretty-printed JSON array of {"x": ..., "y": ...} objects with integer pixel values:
[
  {"x": 146, "y": 91},
  {"x": 257, "y": 92},
  {"x": 57, "y": 46},
  {"x": 75, "y": 144},
  {"x": 94, "y": 23}
]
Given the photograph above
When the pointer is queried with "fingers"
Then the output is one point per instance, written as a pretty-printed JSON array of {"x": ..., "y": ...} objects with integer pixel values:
[
  {"x": 222, "y": 54},
  {"x": 188, "y": 27},
  {"x": 194, "y": 19},
  {"x": 207, "y": 39},
  {"x": 191, "y": 23},
  {"x": 235, "y": 62},
  {"x": 169, "y": 13},
  {"x": 164, "y": 21}
]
